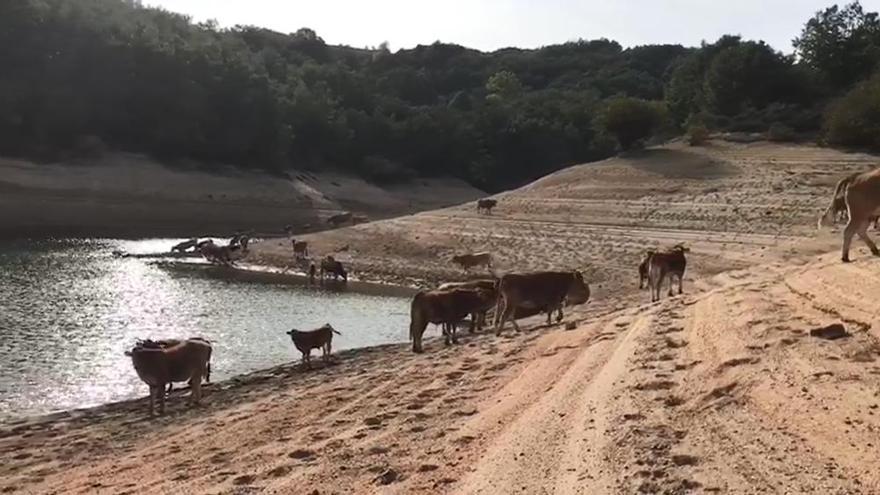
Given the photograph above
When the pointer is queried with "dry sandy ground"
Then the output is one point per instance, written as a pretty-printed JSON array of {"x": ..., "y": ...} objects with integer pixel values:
[
  {"x": 131, "y": 195},
  {"x": 722, "y": 390}
]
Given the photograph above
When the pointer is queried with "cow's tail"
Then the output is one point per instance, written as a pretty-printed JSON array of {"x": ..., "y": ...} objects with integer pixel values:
[{"x": 828, "y": 216}]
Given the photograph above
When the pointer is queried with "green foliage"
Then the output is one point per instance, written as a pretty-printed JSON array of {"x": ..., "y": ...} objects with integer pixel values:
[
  {"x": 631, "y": 120},
  {"x": 83, "y": 77},
  {"x": 843, "y": 44},
  {"x": 854, "y": 119},
  {"x": 781, "y": 133}
]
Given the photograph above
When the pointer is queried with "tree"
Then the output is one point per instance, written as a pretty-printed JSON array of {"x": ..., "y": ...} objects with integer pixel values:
[
  {"x": 631, "y": 120},
  {"x": 842, "y": 44},
  {"x": 504, "y": 85},
  {"x": 854, "y": 119}
]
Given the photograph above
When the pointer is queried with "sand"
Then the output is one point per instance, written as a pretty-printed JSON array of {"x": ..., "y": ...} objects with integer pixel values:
[{"x": 721, "y": 390}]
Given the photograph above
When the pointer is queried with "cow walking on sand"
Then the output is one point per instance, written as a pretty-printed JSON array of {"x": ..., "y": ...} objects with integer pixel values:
[
  {"x": 485, "y": 205},
  {"x": 305, "y": 341},
  {"x": 468, "y": 261},
  {"x": 158, "y": 366},
  {"x": 665, "y": 264},
  {"x": 544, "y": 291},
  {"x": 861, "y": 194},
  {"x": 446, "y": 308}
]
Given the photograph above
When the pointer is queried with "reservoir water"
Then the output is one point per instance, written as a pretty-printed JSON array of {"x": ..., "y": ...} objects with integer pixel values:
[{"x": 70, "y": 308}]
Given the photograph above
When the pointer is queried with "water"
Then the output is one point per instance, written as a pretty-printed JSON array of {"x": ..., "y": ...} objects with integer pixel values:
[{"x": 69, "y": 309}]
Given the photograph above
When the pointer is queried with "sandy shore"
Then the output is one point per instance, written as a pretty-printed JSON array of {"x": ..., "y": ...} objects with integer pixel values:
[
  {"x": 722, "y": 390},
  {"x": 133, "y": 196}
]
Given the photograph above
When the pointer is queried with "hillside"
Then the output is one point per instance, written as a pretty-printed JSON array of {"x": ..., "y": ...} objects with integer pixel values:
[
  {"x": 733, "y": 204},
  {"x": 134, "y": 196},
  {"x": 721, "y": 390}
]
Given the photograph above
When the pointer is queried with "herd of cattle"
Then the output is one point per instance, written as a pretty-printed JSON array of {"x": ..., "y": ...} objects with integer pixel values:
[{"x": 506, "y": 298}]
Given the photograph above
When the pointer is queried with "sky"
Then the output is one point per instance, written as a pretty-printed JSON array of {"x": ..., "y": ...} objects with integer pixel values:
[{"x": 493, "y": 24}]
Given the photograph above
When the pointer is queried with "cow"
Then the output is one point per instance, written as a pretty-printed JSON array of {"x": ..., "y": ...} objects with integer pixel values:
[
  {"x": 306, "y": 341},
  {"x": 300, "y": 249},
  {"x": 662, "y": 264},
  {"x": 330, "y": 265},
  {"x": 443, "y": 307},
  {"x": 547, "y": 291},
  {"x": 861, "y": 193},
  {"x": 339, "y": 219},
  {"x": 184, "y": 246},
  {"x": 157, "y": 366},
  {"x": 214, "y": 253},
  {"x": 468, "y": 261},
  {"x": 643, "y": 269},
  {"x": 239, "y": 249},
  {"x": 165, "y": 343},
  {"x": 486, "y": 205},
  {"x": 490, "y": 286}
]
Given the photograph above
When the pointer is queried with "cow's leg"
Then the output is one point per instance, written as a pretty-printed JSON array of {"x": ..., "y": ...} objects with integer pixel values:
[
  {"x": 152, "y": 400},
  {"x": 863, "y": 235},
  {"x": 848, "y": 233},
  {"x": 454, "y": 328},
  {"x": 680, "y": 276},
  {"x": 195, "y": 387},
  {"x": 446, "y": 334},
  {"x": 161, "y": 398},
  {"x": 671, "y": 279},
  {"x": 506, "y": 310}
]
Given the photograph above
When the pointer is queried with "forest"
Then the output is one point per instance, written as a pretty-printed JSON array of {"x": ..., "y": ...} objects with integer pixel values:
[{"x": 81, "y": 78}]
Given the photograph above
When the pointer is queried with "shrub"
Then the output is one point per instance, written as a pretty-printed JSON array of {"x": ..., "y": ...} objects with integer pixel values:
[
  {"x": 779, "y": 132},
  {"x": 631, "y": 120},
  {"x": 697, "y": 134},
  {"x": 384, "y": 171},
  {"x": 854, "y": 119}
]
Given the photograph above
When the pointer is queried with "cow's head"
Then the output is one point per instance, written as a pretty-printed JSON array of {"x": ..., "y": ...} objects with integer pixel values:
[{"x": 578, "y": 291}]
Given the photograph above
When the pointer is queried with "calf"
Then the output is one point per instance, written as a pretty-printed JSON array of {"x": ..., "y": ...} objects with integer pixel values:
[
  {"x": 331, "y": 266},
  {"x": 444, "y": 307},
  {"x": 546, "y": 291},
  {"x": 306, "y": 341},
  {"x": 157, "y": 366},
  {"x": 486, "y": 205},
  {"x": 468, "y": 261},
  {"x": 300, "y": 248},
  {"x": 670, "y": 264}
]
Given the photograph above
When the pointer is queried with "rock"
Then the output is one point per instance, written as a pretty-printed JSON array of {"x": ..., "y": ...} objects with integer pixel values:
[
  {"x": 570, "y": 325},
  {"x": 387, "y": 477},
  {"x": 830, "y": 332}
]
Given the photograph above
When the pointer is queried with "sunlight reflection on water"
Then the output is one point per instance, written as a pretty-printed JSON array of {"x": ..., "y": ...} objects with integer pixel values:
[{"x": 69, "y": 309}]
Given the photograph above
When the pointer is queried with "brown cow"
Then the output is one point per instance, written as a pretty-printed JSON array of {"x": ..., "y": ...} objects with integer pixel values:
[
  {"x": 643, "y": 269},
  {"x": 468, "y": 261},
  {"x": 331, "y": 266},
  {"x": 443, "y": 307},
  {"x": 478, "y": 318},
  {"x": 306, "y": 341},
  {"x": 486, "y": 205},
  {"x": 546, "y": 291},
  {"x": 861, "y": 192},
  {"x": 158, "y": 366},
  {"x": 664, "y": 264},
  {"x": 300, "y": 249},
  {"x": 165, "y": 343},
  {"x": 339, "y": 219}
]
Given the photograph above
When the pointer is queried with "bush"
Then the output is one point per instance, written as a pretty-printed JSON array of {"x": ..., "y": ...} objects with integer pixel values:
[
  {"x": 384, "y": 171},
  {"x": 697, "y": 134},
  {"x": 854, "y": 119},
  {"x": 781, "y": 133},
  {"x": 631, "y": 120}
]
